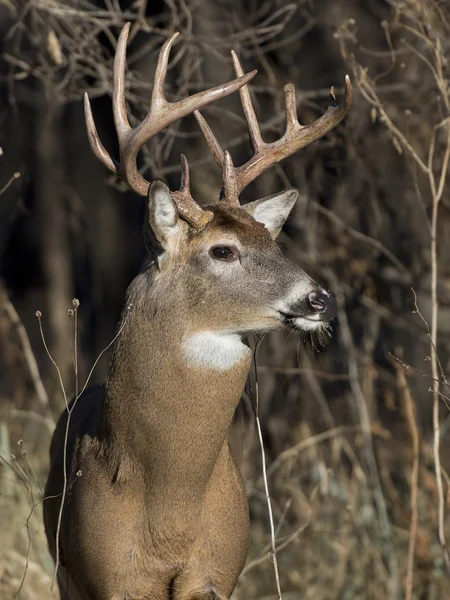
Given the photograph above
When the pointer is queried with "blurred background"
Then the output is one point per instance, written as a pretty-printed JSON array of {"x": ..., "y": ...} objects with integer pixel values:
[{"x": 357, "y": 433}]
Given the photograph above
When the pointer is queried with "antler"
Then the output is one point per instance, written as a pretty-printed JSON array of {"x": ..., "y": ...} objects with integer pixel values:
[
  {"x": 161, "y": 114},
  {"x": 265, "y": 155}
]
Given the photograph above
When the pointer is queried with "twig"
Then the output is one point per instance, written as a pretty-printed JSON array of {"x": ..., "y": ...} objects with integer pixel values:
[
  {"x": 27, "y": 350},
  {"x": 39, "y": 318},
  {"x": 435, "y": 64},
  {"x": 63, "y": 389},
  {"x": 358, "y": 235},
  {"x": 302, "y": 370},
  {"x": 437, "y": 195},
  {"x": 407, "y": 366},
  {"x": 69, "y": 414},
  {"x": 26, "y": 522},
  {"x": 257, "y": 561},
  {"x": 310, "y": 441},
  {"x": 11, "y": 181},
  {"x": 264, "y": 472},
  {"x": 72, "y": 313},
  {"x": 385, "y": 525},
  {"x": 410, "y": 412}
]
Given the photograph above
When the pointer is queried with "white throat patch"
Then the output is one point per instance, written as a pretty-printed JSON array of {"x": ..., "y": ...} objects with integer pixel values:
[{"x": 211, "y": 350}]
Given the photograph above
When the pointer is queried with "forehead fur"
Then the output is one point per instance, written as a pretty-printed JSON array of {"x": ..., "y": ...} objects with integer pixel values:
[{"x": 238, "y": 223}]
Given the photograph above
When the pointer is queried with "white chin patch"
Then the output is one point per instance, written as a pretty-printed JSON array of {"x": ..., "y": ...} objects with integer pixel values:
[
  {"x": 308, "y": 324},
  {"x": 210, "y": 350}
]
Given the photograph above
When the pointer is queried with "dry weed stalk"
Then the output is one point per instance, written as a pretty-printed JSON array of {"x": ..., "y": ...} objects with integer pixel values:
[
  {"x": 410, "y": 413},
  {"x": 264, "y": 474},
  {"x": 369, "y": 452},
  {"x": 28, "y": 353},
  {"x": 13, "y": 178},
  {"x": 26, "y": 477},
  {"x": 425, "y": 36},
  {"x": 73, "y": 316}
]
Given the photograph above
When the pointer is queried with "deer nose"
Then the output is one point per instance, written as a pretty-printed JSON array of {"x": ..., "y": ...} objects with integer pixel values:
[{"x": 322, "y": 303}]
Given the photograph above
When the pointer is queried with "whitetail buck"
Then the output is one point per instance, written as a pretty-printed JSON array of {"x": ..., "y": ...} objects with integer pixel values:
[{"x": 155, "y": 507}]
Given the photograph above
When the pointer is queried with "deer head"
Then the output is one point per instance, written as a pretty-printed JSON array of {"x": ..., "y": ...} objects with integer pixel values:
[{"x": 222, "y": 261}]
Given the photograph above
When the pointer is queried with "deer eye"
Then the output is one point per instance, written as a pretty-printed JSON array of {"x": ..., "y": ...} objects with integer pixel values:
[{"x": 224, "y": 253}]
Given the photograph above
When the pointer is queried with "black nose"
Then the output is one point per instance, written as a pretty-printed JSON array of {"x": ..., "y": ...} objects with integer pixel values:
[{"x": 323, "y": 303}]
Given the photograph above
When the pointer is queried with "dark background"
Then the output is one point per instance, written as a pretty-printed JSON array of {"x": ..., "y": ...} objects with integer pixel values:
[{"x": 336, "y": 420}]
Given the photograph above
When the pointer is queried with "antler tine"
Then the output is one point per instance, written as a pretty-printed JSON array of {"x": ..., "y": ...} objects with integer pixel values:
[
  {"x": 185, "y": 185},
  {"x": 188, "y": 209},
  {"x": 211, "y": 140},
  {"x": 223, "y": 159},
  {"x": 119, "y": 108},
  {"x": 97, "y": 147},
  {"x": 249, "y": 111},
  {"x": 290, "y": 105},
  {"x": 229, "y": 181},
  {"x": 158, "y": 99}
]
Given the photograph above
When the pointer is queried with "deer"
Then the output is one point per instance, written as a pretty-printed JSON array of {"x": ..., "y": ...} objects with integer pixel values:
[{"x": 155, "y": 506}]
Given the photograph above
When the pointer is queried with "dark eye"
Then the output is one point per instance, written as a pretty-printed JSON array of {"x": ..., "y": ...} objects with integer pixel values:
[{"x": 224, "y": 253}]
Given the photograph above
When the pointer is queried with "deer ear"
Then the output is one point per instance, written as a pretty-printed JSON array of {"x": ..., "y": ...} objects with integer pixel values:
[
  {"x": 162, "y": 216},
  {"x": 273, "y": 211}
]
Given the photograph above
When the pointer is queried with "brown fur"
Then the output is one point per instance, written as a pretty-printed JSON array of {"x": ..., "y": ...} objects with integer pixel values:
[{"x": 155, "y": 505}]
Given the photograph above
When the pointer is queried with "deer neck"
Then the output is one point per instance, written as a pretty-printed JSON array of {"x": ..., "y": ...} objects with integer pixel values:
[{"x": 171, "y": 393}]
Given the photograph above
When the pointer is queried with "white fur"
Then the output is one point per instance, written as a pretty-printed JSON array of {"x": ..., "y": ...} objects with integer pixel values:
[
  {"x": 309, "y": 324},
  {"x": 166, "y": 215},
  {"x": 269, "y": 214},
  {"x": 272, "y": 211},
  {"x": 220, "y": 351}
]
